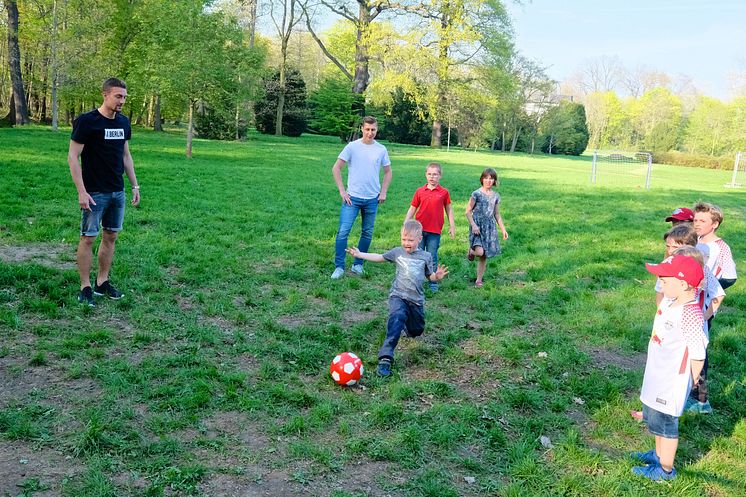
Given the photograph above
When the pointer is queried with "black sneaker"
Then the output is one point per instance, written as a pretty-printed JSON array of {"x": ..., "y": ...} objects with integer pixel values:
[
  {"x": 86, "y": 297},
  {"x": 105, "y": 288}
]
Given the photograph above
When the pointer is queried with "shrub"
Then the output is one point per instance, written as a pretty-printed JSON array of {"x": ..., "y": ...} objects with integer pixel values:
[{"x": 294, "y": 111}]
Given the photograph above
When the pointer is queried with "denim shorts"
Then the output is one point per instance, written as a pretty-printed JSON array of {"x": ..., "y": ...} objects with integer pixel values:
[
  {"x": 663, "y": 425},
  {"x": 107, "y": 213}
]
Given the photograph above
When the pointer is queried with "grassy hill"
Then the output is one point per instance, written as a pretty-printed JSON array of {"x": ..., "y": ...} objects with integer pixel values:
[{"x": 211, "y": 376}]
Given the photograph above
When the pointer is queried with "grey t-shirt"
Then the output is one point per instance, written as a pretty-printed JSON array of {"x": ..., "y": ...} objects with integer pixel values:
[{"x": 411, "y": 271}]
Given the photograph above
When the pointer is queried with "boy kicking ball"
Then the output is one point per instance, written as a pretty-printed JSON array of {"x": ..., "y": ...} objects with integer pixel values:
[
  {"x": 676, "y": 354},
  {"x": 407, "y": 296}
]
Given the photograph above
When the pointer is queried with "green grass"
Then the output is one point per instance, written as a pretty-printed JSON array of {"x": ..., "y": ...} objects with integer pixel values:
[{"x": 211, "y": 375}]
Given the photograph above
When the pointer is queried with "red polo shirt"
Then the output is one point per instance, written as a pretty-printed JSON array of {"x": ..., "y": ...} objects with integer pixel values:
[{"x": 431, "y": 205}]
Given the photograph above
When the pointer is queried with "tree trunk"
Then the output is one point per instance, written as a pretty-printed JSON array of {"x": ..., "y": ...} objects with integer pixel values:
[
  {"x": 280, "y": 102},
  {"x": 362, "y": 76},
  {"x": 157, "y": 122},
  {"x": 55, "y": 110},
  {"x": 516, "y": 132},
  {"x": 151, "y": 110},
  {"x": 436, "y": 134},
  {"x": 190, "y": 130},
  {"x": 20, "y": 110},
  {"x": 502, "y": 137}
]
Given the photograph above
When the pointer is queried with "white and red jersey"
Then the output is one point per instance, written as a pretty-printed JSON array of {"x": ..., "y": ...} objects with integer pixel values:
[
  {"x": 678, "y": 338},
  {"x": 720, "y": 260}
]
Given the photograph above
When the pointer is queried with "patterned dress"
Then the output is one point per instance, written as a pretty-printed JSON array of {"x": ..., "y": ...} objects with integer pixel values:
[{"x": 483, "y": 214}]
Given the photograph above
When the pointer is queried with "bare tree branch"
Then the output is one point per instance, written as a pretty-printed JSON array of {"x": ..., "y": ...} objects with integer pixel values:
[{"x": 322, "y": 46}]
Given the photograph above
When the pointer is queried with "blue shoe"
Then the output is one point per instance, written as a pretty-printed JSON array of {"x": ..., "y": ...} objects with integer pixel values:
[
  {"x": 357, "y": 269},
  {"x": 654, "y": 472},
  {"x": 649, "y": 457},
  {"x": 434, "y": 287},
  {"x": 384, "y": 367},
  {"x": 696, "y": 407}
]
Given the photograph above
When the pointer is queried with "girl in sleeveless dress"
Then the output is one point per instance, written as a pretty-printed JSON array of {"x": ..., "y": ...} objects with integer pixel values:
[{"x": 483, "y": 213}]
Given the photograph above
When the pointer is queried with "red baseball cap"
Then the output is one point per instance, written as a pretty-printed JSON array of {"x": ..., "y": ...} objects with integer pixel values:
[
  {"x": 681, "y": 267},
  {"x": 681, "y": 214}
]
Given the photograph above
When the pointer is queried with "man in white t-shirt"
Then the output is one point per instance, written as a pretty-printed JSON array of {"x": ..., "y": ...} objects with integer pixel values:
[{"x": 364, "y": 159}]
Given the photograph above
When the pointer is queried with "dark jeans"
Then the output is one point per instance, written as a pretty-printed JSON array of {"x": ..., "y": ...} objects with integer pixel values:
[{"x": 403, "y": 315}]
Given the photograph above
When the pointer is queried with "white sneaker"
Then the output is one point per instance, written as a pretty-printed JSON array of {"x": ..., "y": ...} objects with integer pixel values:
[
  {"x": 357, "y": 269},
  {"x": 338, "y": 273}
]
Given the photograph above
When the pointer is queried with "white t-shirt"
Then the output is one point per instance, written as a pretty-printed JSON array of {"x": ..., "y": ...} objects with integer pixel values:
[
  {"x": 712, "y": 290},
  {"x": 677, "y": 338},
  {"x": 364, "y": 163},
  {"x": 721, "y": 261}
]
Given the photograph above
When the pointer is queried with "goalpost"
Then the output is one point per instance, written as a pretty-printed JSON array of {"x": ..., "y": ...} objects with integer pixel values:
[
  {"x": 622, "y": 169},
  {"x": 739, "y": 171}
]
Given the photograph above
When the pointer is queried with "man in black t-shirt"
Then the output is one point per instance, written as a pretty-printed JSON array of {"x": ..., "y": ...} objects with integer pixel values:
[{"x": 98, "y": 155}]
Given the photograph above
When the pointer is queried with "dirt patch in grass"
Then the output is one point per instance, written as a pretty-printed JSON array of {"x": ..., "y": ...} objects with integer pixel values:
[
  {"x": 54, "y": 255},
  {"x": 603, "y": 357},
  {"x": 256, "y": 481},
  {"x": 352, "y": 317},
  {"x": 20, "y": 463},
  {"x": 18, "y": 380}
]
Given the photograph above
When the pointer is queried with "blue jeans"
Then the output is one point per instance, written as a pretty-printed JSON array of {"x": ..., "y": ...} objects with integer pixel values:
[
  {"x": 347, "y": 215},
  {"x": 108, "y": 212},
  {"x": 431, "y": 243},
  {"x": 402, "y": 315}
]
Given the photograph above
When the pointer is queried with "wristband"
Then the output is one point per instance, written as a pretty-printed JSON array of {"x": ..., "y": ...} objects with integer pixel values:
[{"x": 136, "y": 187}]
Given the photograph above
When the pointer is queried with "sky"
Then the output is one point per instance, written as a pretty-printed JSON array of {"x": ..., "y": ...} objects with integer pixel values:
[{"x": 705, "y": 40}]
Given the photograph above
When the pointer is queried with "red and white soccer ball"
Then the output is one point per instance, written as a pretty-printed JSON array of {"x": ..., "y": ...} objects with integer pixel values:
[{"x": 346, "y": 369}]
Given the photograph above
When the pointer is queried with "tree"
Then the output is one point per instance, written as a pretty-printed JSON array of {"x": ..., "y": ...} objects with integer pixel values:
[
  {"x": 707, "y": 127},
  {"x": 294, "y": 111},
  {"x": 284, "y": 24},
  {"x": 332, "y": 107},
  {"x": 564, "y": 130},
  {"x": 18, "y": 109},
  {"x": 367, "y": 12},
  {"x": 656, "y": 120},
  {"x": 406, "y": 122}
]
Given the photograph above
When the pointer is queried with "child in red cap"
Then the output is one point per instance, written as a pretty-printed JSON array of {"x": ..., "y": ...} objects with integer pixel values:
[
  {"x": 676, "y": 354},
  {"x": 680, "y": 215}
]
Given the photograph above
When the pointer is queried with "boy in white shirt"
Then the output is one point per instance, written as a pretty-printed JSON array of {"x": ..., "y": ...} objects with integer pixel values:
[
  {"x": 676, "y": 354},
  {"x": 707, "y": 219}
]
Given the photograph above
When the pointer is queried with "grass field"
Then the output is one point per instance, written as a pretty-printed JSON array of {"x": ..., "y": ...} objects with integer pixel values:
[{"x": 211, "y": 376}]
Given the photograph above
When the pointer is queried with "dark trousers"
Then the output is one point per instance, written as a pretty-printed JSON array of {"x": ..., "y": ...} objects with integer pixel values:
[
  {"x": 403, "y": 315},
  {"x": 700, "y": 392}
]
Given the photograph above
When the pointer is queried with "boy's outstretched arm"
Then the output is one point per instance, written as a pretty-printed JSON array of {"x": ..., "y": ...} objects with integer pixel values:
[
  {"x": 439, "y": 274},
  {"x": 354, "y": 252},
  {"x": 410, "y": 213}
]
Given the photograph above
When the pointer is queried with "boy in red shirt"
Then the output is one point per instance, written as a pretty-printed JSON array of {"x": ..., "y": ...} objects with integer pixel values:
[{"x": 429, "y": 203}]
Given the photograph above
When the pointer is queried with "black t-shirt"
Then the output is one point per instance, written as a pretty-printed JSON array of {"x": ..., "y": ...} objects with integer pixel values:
[{"x": 102, "y": 159}]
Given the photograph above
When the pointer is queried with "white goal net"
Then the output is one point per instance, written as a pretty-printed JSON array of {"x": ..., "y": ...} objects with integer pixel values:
[
  {"x": 739, "y": 171},
  {"x": 625, "y": 169}
]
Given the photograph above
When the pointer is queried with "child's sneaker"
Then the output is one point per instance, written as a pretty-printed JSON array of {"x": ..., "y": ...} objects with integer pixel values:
[
  {"x": 654, "y": 472},
  {"x": 105, "y": 288},
  {"x": 649, "y": 457},
  {"x": 696, "y": 407},
  {"x": 384, "y": 367},
  {"x": 357, "y": 269}
]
